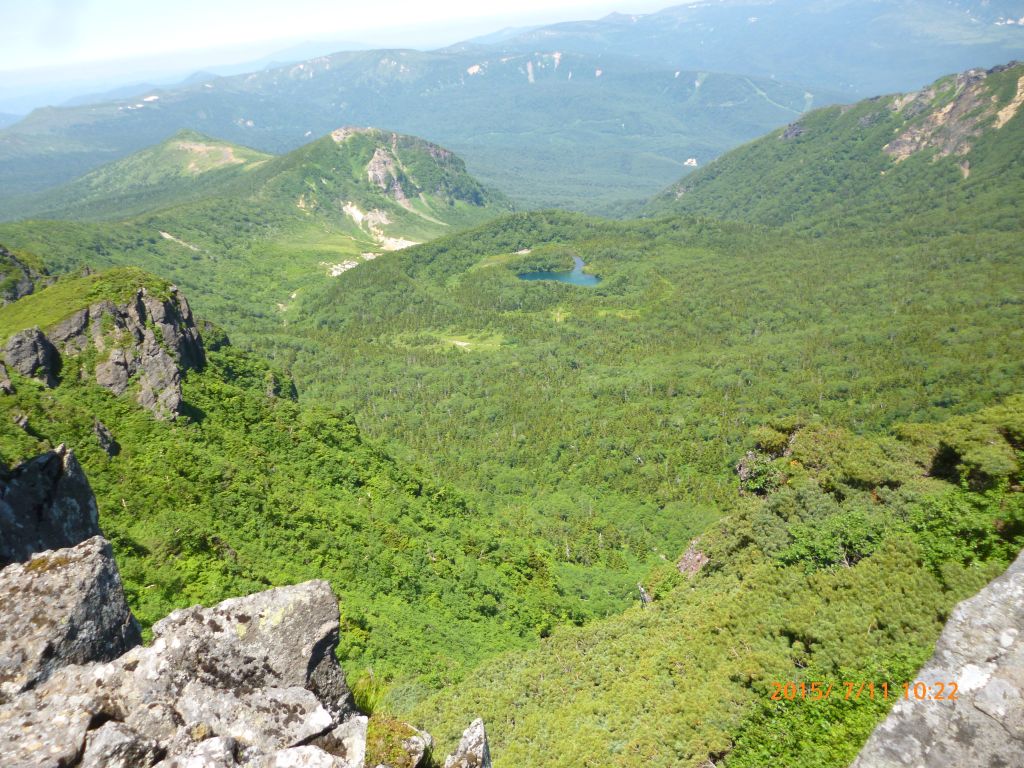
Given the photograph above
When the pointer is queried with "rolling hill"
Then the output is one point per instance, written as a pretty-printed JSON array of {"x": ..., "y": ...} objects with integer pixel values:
[{"x": 246, "y": 232}]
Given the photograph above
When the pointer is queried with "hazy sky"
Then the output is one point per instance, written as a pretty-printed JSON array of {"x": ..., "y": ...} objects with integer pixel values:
[{"x": 46, "y": 33}]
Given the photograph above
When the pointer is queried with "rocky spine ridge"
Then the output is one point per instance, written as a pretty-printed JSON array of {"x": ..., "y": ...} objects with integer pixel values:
[{"x": 149, "y": 339}]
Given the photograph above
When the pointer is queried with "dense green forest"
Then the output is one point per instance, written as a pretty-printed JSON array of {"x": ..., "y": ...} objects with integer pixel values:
[
  {"x": 250, "y": 489},
  {"x": 803, "y": 370}
]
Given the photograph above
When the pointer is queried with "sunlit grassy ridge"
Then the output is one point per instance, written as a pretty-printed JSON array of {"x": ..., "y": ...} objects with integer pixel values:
[{"x": 55, "y": 303}]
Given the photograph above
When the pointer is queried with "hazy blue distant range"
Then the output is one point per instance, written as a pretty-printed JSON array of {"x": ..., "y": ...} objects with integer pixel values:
[{"x": 574, "y": 276}]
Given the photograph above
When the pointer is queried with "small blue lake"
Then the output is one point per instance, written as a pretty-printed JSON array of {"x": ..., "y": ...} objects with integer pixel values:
[{"x": 574, "y": 276}]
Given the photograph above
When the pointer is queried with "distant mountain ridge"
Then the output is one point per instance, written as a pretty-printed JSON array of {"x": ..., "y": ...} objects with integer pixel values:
[
  {"x": 549, "y": 127},
  {"x": 859, "y": 48}
]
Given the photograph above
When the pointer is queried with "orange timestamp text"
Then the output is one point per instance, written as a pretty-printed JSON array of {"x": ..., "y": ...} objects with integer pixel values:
[{"x": 917, "y": 690}]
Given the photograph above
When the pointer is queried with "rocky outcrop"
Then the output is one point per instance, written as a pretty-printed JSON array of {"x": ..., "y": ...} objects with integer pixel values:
[
  {"x": 982, "y": 651},
  {"x": 45, "y": 503},
  {"x": 31, "y": 354},
  {"x": 252, "y": 681},
  {"x": 17, "y": 278},
  {"x": 149, "y": 339},
  {"x": 692, "y": 560},
  {"x": 61, "y": 607},
  {"x": 473, "y": 751},
  {"x": 951, "y": 124}
]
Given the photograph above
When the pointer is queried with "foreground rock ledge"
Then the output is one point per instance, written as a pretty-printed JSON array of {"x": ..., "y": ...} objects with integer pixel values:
[
  {"x": 243, "y": 683},
  {"x": 982, "y": 650},
  {"x": 61, "y": 607}
]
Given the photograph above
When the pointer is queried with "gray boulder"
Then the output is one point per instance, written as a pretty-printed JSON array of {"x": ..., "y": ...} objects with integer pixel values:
[
  {"x": 255, "y": 672},
  {"x": 31, "y": 354},
  {"x": 45, "y": 503},
  {"x": 280, "y": 638},
  {"x": 47, "y": 731},
  {"x": 6, "y": 386},
  {"x": 347, "y": 741},
  {"x": 473, "y": 751},
  {"x": 982, "y": 651},
  {"x": 115, "y": 745},
  {"x": 62, "y": 607}
]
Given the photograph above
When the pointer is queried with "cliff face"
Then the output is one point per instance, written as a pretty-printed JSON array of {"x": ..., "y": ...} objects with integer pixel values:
[
  {"x": 148, "y": 339},
  {"x": 45, "y": 503},
  {"x": 982, "y": 651},
  {"x": 251, "y": 682}
]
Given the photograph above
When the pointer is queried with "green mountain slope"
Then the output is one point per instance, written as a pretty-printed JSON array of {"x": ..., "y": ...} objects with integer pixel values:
[
  {"x": 546, "y": 127},
  {"x": 838, "y": 580},
  {"x": 187, "y": 166},
  {"x": 917, "y": 161},
  {"x": 247, "y": 238}
]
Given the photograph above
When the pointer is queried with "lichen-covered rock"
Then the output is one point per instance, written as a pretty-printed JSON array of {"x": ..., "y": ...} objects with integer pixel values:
[
  {"x": 115, "y": 745},
  {"x": 417, "y": 746},
  {"x": 45, "y": 503},
  {"x": 280, "y": 638},
  {"x": 254, "y": 671},
  {"x": 347, "y": 741},
  {"x": 473, "y": 751},
  {"x": 211, "y": 753},
  {"x": 31, "y": 354},
  {"x": 982, "y": 651},
  {"x": 62, "y": 607},
  {"x": 300, "y": 757},
  {"x": 41, "y": 731}
]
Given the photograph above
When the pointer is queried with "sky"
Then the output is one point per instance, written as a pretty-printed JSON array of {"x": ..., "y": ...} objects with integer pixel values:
[{"x": 59, "y": 33}]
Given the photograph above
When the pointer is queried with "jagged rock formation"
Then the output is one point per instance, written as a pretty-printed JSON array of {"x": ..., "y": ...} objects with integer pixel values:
[
  {"x": 982, "y": 651},
  {"x": 61, "y": 607},
  {"x": 45, "y": 503},
  {"x": 473, "y": 751},
  {"x": 387, "y": 172},
  {"x": 31, "y": 354},
  {"x": 17, "y": 278},
  {"x": 250, "y": 682},
  {"x": 150, "y": 338}
]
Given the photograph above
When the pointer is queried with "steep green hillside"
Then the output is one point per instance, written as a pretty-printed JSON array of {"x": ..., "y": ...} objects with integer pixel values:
[
  {"x": 941, "y": 160},
  {"x": 545, "y": 126},
  {"x": 839, "y": 578}
]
